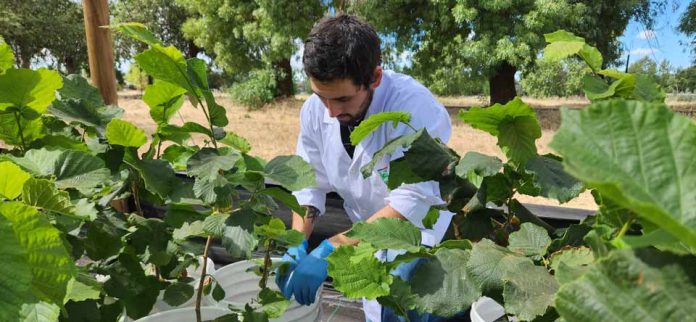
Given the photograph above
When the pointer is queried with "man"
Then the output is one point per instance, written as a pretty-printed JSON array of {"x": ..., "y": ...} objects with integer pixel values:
[{"x": 342, "y": 59}]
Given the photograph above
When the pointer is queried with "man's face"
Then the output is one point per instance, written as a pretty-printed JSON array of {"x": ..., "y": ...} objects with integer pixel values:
[{"x": 344, "y": 100}]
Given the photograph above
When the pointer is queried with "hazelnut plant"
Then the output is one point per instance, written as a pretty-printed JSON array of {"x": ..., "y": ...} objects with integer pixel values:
[
  {"x": 68, "y": 254},
  {"x": 632, "y": 260}
]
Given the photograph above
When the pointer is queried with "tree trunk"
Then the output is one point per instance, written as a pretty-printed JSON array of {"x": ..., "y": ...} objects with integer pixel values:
[
  {"x": 502, "y": 83},
  {"x": 192, "y": 50},
  {"x": 284, "y": 86},
  {"x": 70, "y": 65},
  {"x": 24, "y": 60}
]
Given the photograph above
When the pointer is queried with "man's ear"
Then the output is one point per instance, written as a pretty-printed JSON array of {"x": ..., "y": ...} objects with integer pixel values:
[{"x": 378, "y": 78}]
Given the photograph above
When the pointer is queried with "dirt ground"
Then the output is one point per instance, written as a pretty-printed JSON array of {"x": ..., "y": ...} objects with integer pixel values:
[{"x": 273, "y": 131}]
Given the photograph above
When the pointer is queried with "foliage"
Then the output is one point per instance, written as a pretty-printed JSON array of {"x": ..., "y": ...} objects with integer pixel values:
[
  {"x": 687, "y": 23},
  {"x": 447, "y": 39},
  {"x": 548, "y": 79},
  {"x": 257, "y": 90},
  {"x": 136, "y": 78},
  {"x": 69, "y": 156},
  {"x": 633, "y": 151}
]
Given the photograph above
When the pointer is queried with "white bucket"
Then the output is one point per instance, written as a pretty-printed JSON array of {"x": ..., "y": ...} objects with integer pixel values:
[
  {"x": 193, "y": 271},
  {"x": 242, "y": 287},
  {"x": 485, "y": 309},
  {"x": 186, "y": 314}
]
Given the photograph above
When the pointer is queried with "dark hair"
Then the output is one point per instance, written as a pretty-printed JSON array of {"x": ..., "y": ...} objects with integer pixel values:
[{"x": 342, "y": 47}]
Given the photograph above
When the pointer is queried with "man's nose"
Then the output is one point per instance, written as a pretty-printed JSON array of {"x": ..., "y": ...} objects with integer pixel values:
[{"x": 334, "y": 109}]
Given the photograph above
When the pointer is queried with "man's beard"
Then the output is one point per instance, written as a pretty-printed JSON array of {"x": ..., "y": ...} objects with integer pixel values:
[{"x": 354, "y": 120}]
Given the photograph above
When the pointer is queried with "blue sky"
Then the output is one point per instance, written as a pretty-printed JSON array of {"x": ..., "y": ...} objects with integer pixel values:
[{"x": 663, "y": 41}]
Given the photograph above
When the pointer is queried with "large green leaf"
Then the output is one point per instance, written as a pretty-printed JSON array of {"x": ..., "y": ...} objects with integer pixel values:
[
  {"x": 207, "y": 163},
  {"x": 167, "y": 64},
  {"x": 128, "y": 282},
  {"x": 552, "y": 180},
  {"x": 6, "y": 56},
  {"x": 15, "y": 274},
  {"x": 41, "y": 252},
  {"x": 640, "y": 155},
  {"x": 164, "y": 99},
  {"x": 29, "y": 91},
  {"x": 124, "y": 133},
  {"x": 357, "y": 273},
  {"x": 83, "y": 287},
  {"x": 31, "y": 130},
  {"x": 43, "y": 194},
  {"x": 77, "y": 87},
  {"x": 158, "y": 175},
  {"x": 39, "y": 312},
  {"x": 273, "y": 302},
  {"x": 531, "y": 240},
  {"x": 236, "y": 141},
  {"x": 475, "y": 166},
  {"x": 571, "y": 257},
  {"x": 388, "y": 233},
  {"x": 514, "y": 124},
  {"x": 647, "y": 285},
  {"x": 178, "y": 293},
  {"x": 490, "y": 263},
  {"x": 291, "y": 172},
  {"x": 429, "y": 158},
  {"x": 12, "y": 179},
  {"x": 373, "y": 122},
  {"x": 286, "y": 198},
  {"x": 402, "y": 142},
  {"x": 80, "y": 111},
  {"x": 529, "y": 291},
  {"x": 137, "y": 31},
  {"x": 235, "y": 230},
  {"x": 647, "y": 89},
  {"x": 443, "y": 285},
  {"x": 563, "y": 44},
  {"x": 71, "y": 169}
]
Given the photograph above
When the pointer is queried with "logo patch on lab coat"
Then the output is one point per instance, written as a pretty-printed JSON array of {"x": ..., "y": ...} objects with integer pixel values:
[{"x": 383, "y": 170}]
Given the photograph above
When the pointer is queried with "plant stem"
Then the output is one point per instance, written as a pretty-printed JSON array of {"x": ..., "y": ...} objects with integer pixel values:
[
  {"x": 409, "y": 125},
  {"x": 266, "y": 264},
  {"x": 136, "y": 198},
  {"x": 159, "y": 147},
  {"x": 455, "y": 225},
  {"x": 624, "y": 229},
  {"x": 205, "y": 109},
  {"x": 21, "y": 134},
  {"x": 199, "y": 293}
]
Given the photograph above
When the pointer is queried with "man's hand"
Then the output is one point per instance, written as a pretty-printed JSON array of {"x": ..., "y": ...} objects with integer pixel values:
[
  {"x": 293, "y": 256},
  {"x": 310, "y": 274}
]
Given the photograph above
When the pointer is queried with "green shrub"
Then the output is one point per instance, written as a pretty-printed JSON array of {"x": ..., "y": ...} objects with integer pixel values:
[
  {"x": 256, "y": 90},
  {"x": 558, "y": 78}
]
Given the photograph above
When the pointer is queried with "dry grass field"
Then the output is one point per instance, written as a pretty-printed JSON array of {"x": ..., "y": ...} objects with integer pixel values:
[{"x": 273, "y": 131}]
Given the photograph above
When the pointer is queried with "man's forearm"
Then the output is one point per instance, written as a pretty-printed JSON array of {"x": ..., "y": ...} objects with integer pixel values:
[
  {"x": 386, "y": 212},
  {"x": 305, "y": 224}
]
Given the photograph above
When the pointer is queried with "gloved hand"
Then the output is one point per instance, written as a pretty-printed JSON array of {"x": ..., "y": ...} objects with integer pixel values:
[
  {"x": 311, "y": 273},
  {"x": 293, "y": 256}
]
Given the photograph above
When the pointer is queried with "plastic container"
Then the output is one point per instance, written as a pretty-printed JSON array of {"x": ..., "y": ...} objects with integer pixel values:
[
  {"x": 485, "y": 309},
  {"x": 242, "y": 287},
  {"x": 186, "y": 314}
]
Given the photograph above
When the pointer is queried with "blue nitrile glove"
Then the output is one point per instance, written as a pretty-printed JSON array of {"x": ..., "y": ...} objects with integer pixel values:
[
  {"x": 293, "y": 256},
  {"x": 311, "y": 273}
]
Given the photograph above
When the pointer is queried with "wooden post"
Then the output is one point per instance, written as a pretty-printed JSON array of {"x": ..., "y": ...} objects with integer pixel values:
[{"x": 99, "y": 49}]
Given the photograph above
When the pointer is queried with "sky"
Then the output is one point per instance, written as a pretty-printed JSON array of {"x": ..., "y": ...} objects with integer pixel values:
[{"x": 663, "y": 41}]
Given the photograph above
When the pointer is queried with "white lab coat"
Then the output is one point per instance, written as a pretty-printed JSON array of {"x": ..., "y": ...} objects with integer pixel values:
[{"x": 320, "y": 144}]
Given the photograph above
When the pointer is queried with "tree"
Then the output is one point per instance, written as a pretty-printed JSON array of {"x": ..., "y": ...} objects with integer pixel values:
[
  {"x": 163, "y": 18},
  {"x": 251, "y": 35},
  {"x": 685, "y": 79},
  {"x": 496, "y": 38},
  {"x": 687, "y": 24},
  {"x": 645, "y": 66},
  {"x": 551, "y": 78},
  {"x": 45, "y": 28}
]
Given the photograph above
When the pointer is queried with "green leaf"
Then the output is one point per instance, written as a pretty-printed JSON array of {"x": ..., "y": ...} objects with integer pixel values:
[
  {"x": 645, "y": 165},
  {"x": 39, "y": 312},
  {"x": 475, "y": 166},
  {"x": 72, "y": 110},
  {"x": 572, "y": 257},
  {"x": 7, "y": 58},
  {"x": 178, "y": 156},
  {"x": 207, "y": 162},
  {"x": 218, "y": 116},
  {"x": 357, "y": 273},
  {"x": 529, "y": 291},
  {"x": 78, "y": 88},
  {"x": 514, "y": 124},
  {"x": 40, "y": 252},
  {"x": 373, "y": 122},
  {"x": 646, "y": 89},
  {"x": 524, "y": 215},
  {"x": 388, "y": 233},
  {"x": 237, "y": 142},
  {"x": 152, "y": 237},
  {"x": 167, "y": 64},
  {"x": 178, "y": 293},
  {"x": 291, "y": 172},
  {"x": 591, "y": 56},
  {"x": 61, "y": 142},
  {"x": 553, "y": 181},
  {"x": 71, "y": 169},
  {"x": 164, "y": 99},
  {"x": 273, "y": 302},
  {"x": 42, "y": 194},
  {"x": 12, "y": 179},
  {"x": 431, "y": 217},
  {"x": 443, "y": 285},
  {"x": 286, "y": 198},
  {"x": 531, "y": 240},
  {"x": 104, "y": 235},
  {"x": 15, "y": 274},
  {"x": 137, "y": 291},
  {"x": 235, "y": 230},
  {"x": 643, "y": 286},
  {"x": 83, "y": 287},
  {"x": 124, "y": 133},
  {"x": 31, "y": 130},
  {"x": 596, "y": 88},
  {"x": 402, "y": 142},
  {"x": 158, "y": 176},
  {"x": 29, "y": 91},
  {"x": 490, "y": 263},
  {"x": 563, "y": 44},
  {"x": 429, "y": 158},
  {"x": 218, "y": 293},
  {"x": 136, "y": 31}
]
